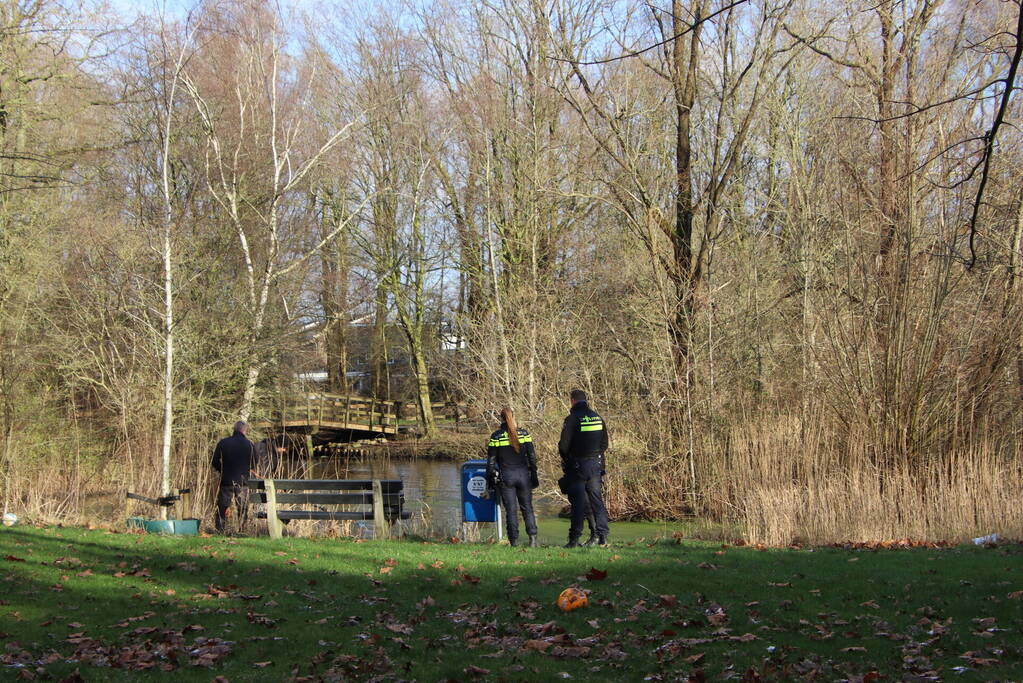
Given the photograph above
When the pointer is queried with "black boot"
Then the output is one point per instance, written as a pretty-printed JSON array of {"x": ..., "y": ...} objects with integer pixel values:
[
  {"x": 532, "y": 541},
  {"x": 591, "y": 541},
  {"x": 602, "y": 540},
  {"x": 513, "y": 541},
  {"x": 572, "y": 543}
]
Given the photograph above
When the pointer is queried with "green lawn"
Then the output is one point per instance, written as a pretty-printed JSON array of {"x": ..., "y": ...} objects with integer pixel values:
[{"x": 108, "y": 604}]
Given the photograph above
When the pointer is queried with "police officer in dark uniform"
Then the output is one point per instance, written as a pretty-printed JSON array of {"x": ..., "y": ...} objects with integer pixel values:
[
  {"x": 582, "y": 445},
  {"x": 511, "y": 466}
]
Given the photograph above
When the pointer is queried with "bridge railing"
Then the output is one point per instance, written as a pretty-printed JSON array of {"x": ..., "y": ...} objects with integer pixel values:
[{"x": 318, "y": 409}]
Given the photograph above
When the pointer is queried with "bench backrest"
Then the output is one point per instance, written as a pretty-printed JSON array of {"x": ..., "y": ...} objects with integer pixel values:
[
  {"x": 315, "y": 491},
  {"x": 384, "y": 496}
]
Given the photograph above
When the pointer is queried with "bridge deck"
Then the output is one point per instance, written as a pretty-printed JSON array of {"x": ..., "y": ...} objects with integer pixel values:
[{"x": 313, "y": 411}]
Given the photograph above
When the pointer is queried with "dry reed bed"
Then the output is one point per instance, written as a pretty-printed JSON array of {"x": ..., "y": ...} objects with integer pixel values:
[{"x": 779, "y": 482}]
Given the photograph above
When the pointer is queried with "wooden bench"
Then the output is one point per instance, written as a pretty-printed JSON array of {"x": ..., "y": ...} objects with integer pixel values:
[{"x": 384, "y": 501}]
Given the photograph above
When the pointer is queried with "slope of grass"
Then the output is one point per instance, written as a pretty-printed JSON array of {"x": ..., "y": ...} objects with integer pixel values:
[{"x": 109, "y": 604}]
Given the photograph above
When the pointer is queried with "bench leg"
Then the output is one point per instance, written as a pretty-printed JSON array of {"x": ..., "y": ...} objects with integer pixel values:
[
  {"x": 273, "y": 522},
  {"x": 381, "y": 529}
]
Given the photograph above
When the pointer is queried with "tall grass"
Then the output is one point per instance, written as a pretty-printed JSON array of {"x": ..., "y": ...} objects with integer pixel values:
[
  {"x": 783, "y": 481},
  {"x": 780, "y": 481},
  {"x": 787, "y": 487}
]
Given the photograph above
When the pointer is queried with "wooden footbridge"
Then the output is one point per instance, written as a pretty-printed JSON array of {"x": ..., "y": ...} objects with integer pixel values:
[{"x": 316, "y": 411}]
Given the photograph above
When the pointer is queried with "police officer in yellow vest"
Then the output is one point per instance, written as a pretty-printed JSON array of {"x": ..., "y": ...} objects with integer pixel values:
[
  {"x": 582, "y": 445},
  {"x": 511, "y": 466}
]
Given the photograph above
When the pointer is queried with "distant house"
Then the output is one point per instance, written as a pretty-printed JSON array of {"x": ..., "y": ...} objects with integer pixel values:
[{"x": 359, "y": 373}]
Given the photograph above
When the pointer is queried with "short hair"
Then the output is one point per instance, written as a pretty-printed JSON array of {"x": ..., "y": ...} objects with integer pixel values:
[
  {"x": 241, "y": 426},
  {"x": 577, "y": 395}
]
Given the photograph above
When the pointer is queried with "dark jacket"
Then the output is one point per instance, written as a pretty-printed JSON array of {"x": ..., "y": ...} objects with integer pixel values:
[
  {"x": 501, "y": 457},
  {"x": 584, "y": 435},
  {"x": 234, "y": 457}
]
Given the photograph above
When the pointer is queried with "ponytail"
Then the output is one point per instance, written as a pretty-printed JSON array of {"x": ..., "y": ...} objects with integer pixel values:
[{"x": 508, "y": 415}]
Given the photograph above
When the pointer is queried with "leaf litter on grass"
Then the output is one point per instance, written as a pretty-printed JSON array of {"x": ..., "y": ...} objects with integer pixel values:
[{"x": 629, "y": 629}]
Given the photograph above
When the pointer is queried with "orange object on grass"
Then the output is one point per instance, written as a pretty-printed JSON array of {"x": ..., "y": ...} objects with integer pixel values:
[{"x": 572, "y": 598}]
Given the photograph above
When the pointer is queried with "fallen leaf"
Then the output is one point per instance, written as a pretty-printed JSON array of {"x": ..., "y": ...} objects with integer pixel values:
[
  {"x": 262, "y": 665},
  {"x": 536, "y": 645},
  {"x": 595, "y": 574}
]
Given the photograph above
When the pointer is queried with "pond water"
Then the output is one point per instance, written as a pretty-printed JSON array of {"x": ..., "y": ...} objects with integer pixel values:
[{"x": 433, "y": 495}]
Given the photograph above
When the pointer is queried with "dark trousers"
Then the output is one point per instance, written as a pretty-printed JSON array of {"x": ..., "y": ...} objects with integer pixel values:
[
  {"x": 236, "y": 495},
  {"x": 515, "y": 493},
  {"x": 591, "y": 523},
  {"x": 584, "y": 494}
]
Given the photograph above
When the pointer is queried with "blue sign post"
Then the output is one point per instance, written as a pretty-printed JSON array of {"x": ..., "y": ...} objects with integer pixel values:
[{"x": 478, "y": 504}]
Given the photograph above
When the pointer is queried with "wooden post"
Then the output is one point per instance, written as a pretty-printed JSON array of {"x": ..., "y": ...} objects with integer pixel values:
[
  {"x": 348, "y": 409},
  {"x": 309, "y": 456},
  {"x": 272, "y": 521},
  {"x": 372, "y": 407},
  {"x": 381, "y": 529},
  {"x": 319, "y": 420}
]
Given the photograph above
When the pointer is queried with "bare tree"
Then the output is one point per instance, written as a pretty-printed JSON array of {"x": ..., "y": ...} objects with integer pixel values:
[{"x": 259, "y": 143}]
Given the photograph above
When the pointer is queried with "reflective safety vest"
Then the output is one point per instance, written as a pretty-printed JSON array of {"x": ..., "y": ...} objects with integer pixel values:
[
  {"x": 501, "y": 438},
  {"x": 501, "y": 455},
  {"x": 584, "y": 434}
]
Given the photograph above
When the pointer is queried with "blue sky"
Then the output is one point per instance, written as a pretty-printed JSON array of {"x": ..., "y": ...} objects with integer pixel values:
[{"x": 133, "y": 8}]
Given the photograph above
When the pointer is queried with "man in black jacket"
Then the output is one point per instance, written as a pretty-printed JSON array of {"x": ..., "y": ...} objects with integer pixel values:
[
  {"x": 582, "y": 445},
  {"x": 234, "y": 457}
]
